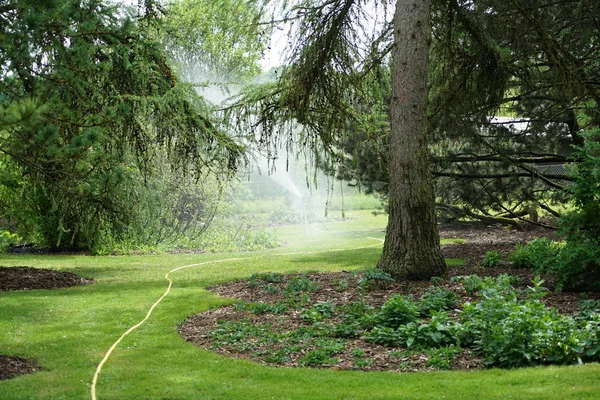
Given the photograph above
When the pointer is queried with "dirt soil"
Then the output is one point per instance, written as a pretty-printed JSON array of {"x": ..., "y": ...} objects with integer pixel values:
[
  {"x": 11, "y": 367},
  {"x": 479, "y": 240},
  {"x": 27, "y": 278}
]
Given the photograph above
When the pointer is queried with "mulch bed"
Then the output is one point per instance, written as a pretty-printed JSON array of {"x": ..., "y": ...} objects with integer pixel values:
[
  {"x": 11, "y": 367},
  {"x": 479, "y": 240},
  {"x": 27, "y": 278}
]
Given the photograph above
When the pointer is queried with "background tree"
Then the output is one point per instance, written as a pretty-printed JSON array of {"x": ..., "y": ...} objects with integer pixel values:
[
  {"x": 216, "y": 41},
  {"x": 88, "y": 99},
  {"x": 412, "y": 242},
  {"x": 493, "y": 169},
  {"x": 340, "y": 49}
]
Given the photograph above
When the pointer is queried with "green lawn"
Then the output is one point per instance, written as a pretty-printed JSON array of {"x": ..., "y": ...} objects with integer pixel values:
[{"x": 69, "y": 331}]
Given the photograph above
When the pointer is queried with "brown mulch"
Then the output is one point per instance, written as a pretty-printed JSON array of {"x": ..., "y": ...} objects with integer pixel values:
[
  {"x": 340, "y": 288},
  {"x": 11, "y": 367},
  {"x": 27, "y": 278}
]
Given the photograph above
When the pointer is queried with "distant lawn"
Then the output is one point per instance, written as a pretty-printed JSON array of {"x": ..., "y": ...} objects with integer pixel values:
[{"x": 69, "y": 331}]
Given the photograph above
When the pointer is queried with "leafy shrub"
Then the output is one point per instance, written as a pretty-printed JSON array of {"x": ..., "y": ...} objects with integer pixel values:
[
  {"x": 357, "y": 352},
  {"x": 362, "y": 362},
  {"x": 316, "y": 358},
  {"x": 374, "y": 279},
  {"x": 588, "y": 308},
  {"x": 271, "y": 289},
  {"x": 277, "y": 357},
  {"x": 320, "y": 311},
  {"x": 297, "y": 300},
  {"x": 325, "y": 308},
  {"x": 300, "y": 284},
  {"x": 356, "y": 318},
  {"x": 331, "y": 346},
  {"x": 510, "y": 332},
  {"x": 385, "y": 336},
  {"x": 438, "y": 332},
  {"x": 537, "y": 254},
  {"x": 591, "y": 327},
  {"x": 578, "y": 264},
  {"x": 471, "y": 283},
  {"x": 347, "y": 330},
  {"x": 8, "y": 239},
  {"x": 436, "y": 299},
  {"x": 360, "y": 358},
  {"x": 265, "y": 277},
  {"x": 237, "y": 333},
  {"x": 397, "y": 310},
  {"x": 342, "y": 284},
  {"x": 442, "y": 357},
  {"x": 492, "y": 258}
]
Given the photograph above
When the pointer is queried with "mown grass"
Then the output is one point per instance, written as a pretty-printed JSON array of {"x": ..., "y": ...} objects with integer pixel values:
[{"x": 69, "y": 331}]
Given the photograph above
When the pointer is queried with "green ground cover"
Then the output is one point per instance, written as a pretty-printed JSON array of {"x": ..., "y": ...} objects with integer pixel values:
[{"x": 69, "y": 331}]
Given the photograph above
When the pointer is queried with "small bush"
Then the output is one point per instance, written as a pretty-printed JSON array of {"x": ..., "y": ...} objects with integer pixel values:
[
  {"x": 578, "y": 264},
  {"x": 588, "y": 308},
  {"x": 356, "y": 317},
  {"x": 265, "y": 277},
  {"x": 297, "y": 300},
  {"x": 492, "y": 258},
  {"x": 8, "y": 239},
  {"x": 271, "y": 289},
  {"x": 537, "y": 254},
  {"x": 316, "y": 358},
  {"x": 442, "y": 357},
  {"x": 347, "y": 330},
  {"x": 299, "y": 284},
  {"x": 397, "y": 310},
  {"x": 438, "y": 332},
  {"x": 384, "y": 336},
  {"x": 436, "y": 299},
  {"x": 374, "y": 279},
  {"x": 271, "y": 277},
  {"x": 471, "y": 283},
  {"x": 510, "y": 332},
  {"x": 321, "y": 310}
]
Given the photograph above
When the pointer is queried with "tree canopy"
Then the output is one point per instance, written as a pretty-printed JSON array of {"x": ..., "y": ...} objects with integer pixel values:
[
  {"x": 538, "y": 76},
  {"x": 88, "y": 99}
]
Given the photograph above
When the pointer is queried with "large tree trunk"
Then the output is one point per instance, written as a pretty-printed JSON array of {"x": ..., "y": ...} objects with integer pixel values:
[{"x": 412, "y": 243}]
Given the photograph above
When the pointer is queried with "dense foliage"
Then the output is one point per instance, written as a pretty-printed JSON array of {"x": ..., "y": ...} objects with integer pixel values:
[
  {"x": 576, "y": 258},
  {"x": 502, "y": 169},
  {"x": 507, "y": 327},
  {"x": 214, "y": 41},
  {"x": 98, "y": 135}
]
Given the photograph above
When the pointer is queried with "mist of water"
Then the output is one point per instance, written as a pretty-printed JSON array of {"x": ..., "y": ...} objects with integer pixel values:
[{"x": 284, "y": 180}]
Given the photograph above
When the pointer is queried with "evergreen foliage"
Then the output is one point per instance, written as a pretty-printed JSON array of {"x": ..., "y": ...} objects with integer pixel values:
[
  {"x": 218, "y": 41},
  {"x": 577, "y": 258},
  {"x": 89, "y": 104},
  {"x": 485, "y": 168}
]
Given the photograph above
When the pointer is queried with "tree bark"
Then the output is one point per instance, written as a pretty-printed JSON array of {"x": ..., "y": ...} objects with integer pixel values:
[{"x": 412, "y": 243}]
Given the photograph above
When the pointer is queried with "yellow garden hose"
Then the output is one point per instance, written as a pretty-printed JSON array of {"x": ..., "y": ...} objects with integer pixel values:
[
  {"x": 109, "y": 352},
  {"x": 115, "y": 344}
]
